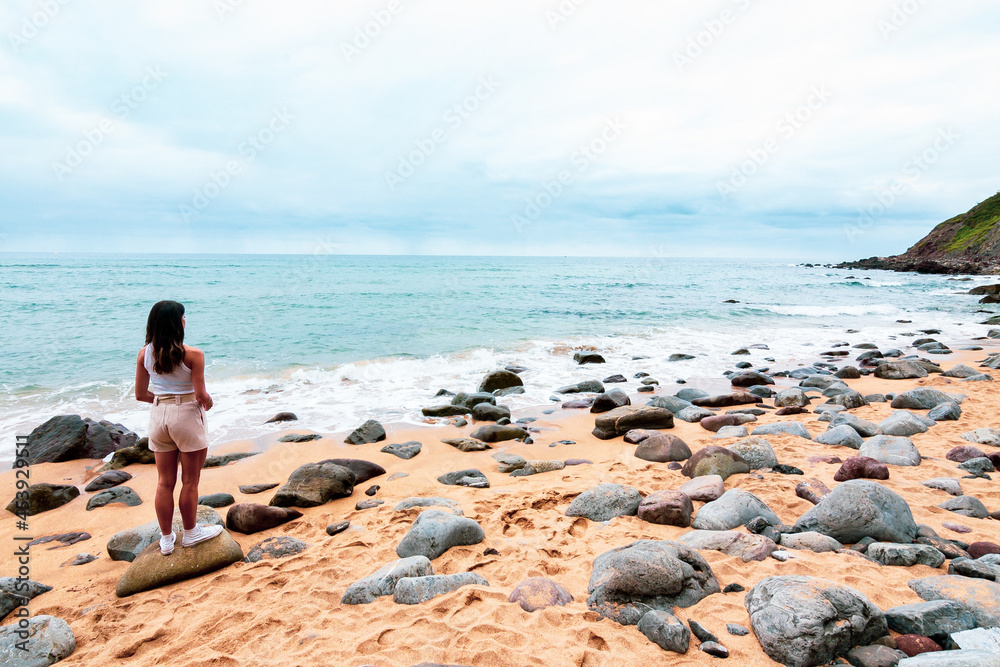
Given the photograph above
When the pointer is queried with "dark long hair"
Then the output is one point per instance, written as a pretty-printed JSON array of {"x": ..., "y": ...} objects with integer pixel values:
[{"x": 165, "y": 331}]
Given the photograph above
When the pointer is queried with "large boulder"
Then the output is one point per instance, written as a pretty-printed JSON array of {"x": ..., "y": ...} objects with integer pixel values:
[
  {"x": 860, "y": 508},
  {"x": 746, "y": 547},
  {"x": 757, "y": 452},
  {"x": 969, "y": 506},
  {"x": 249, "y": 518},
  {"x": 68, "y": 437},
  {"x": 414, "y": 590},
  {"x": 892, "y": 450},
  {"x": 502, "y": 379},
  {"x": 42, "y": 497},
  {"x": 934, "y": 619},
  {"x": 733, "y": 509},
  {"x": 921, "y": 398},
  {"x": 979, "y": 597},
  {"x": 383, "y": 581},
  {"x": 806, "y": 621},
  {"x": 622, "y": 420},
  {"x": 714, "y": 460},
  {"x": 129, "y": 543},
  {"x": 662, "y": 448},
  {"x": 314, "y": 484},
  {"x": 151, "y": 569},
  {"x": 629, "y": 581},
  {"x": 605, "y": 501},
  {"x": 41, "y": 641},
  {"x": 434, "y": 532}
]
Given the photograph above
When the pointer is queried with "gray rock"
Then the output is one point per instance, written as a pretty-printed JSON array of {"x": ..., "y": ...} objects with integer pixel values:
[
  {"x": 875, "y": 655},
  {"x": 736, "y": 630},
  {"x": 921, "y": 398},
  {"x": 983, "y": 436},
  {"x": 605, "y": 501},
  {"x": 672, "y": 403},
  {"x": 946, "y": 484},
  {"x": 899, "y": 370},
  {"x": 691, "y": 393},
  {"x": 791, "y": 397},
  {"x": 44, "y": 641},
  {"x": 790, "y": 428},
  {"x": 983, "y": 639},
  {"x": 501, "y": 379},
  {"x": 979, "y": 597},
  {"x": 414, "y": 590},
  {"x": 585, "y": 387},
  {"x": 42, "y": 497},
  {"x": 840, "y": 435},
  {"x": 945, "y": 412},
  {"x": 746, "y": 547},
  {"x": 509, "y": 462},
  {"x": 904, "y": 555},
  {"x": 969, "y": 658},
  {"x": 471, "y": 400},
  {"x": 694, "y": 414},
  {"x": 903, "y": 424},
  {"x": 891, "y": 450},
  {"x": 383, "y": 581},
  {"x": 755, "y": 451},
  {"x": 646, "y": 575},
  {"x": 863, "y": 427},
  {"x": 279, "y": 546},
  {"x": 704, "y": 488},
  {"x": 827, "y": 621},
  {"x": 715, "y": 461},
  {"x": 665, "y": 630},
  {"x": 937, "y": 618},
  {"x": 622, "y": 420},
  {"x": 416, "y": 503},
  {"x": 810, "y": 541},
  {"x": 969, "y": 506},
  {"x": 850, "y": 399},
  {"x": 537, "y": 467},
  {"x": 15, "y": 592},
  {"x": 978, "y": 466},
  {"x": 731, "y": 432},
  {"x": 217, "y": 500},
  {"x": 960, "y": 371},
  {"x": 370, "y": 431},
  {"x": 610, "y": 400},
  {"x": 107, "y": 480},
  {"x": 669, "y": 508},
  {"x": 861, "y": 508},
  {"x": 434, "y": 532},
  {"x": 128, "y": 544},
  {"x": 68, "y": 437},
  {"x": 733, "y": 509},
  {"x": 471, "y": 478},
  {"x": 123, "y": 495},
  {"x": 468, "y": 444},
  {"x": 314, "y": 484},
  {"x": 662, "y": 448},
  {"x": 404, "y": 450}
]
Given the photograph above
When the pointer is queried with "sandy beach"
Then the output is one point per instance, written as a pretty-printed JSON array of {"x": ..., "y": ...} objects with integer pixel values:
[{"x": 288, "y": 611}]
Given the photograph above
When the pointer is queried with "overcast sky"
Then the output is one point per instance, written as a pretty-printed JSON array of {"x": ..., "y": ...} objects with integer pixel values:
[{"x": 801, "y": 130}]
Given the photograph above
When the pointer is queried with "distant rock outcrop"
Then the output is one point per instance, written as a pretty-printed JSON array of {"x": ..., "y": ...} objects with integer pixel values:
[{"x": 968, "y": 243}]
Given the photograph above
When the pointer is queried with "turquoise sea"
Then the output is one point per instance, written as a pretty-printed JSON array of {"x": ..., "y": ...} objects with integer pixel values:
[{"x": 338, "y": 339}]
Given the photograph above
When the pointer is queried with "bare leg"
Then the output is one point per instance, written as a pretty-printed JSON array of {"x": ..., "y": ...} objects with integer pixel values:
[
  {"x": 166, "y": 471},
  {"x": 191, "y": 463}
]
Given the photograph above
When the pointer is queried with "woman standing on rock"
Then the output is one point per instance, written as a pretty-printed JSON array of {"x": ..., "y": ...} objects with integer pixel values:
[{"x": 175, "y": 373}]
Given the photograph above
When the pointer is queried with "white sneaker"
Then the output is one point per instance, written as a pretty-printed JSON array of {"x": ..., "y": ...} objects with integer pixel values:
[
  {"x": 199, "y": 533},
  {"x": 167, "y": 543}
]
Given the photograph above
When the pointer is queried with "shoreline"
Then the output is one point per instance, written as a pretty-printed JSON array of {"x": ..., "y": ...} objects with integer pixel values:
[{"x": 289, "y": 605}]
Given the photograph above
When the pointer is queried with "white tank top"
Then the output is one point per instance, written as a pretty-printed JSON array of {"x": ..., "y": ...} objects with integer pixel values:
[{"x": 177, "y": 382}]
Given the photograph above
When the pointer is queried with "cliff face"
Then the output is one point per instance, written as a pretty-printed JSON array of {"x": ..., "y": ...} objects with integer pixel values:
[{"x": 967, "y": 243}]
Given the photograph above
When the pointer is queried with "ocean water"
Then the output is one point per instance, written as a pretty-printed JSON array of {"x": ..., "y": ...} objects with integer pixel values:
[{"x": 339, "y": 339}]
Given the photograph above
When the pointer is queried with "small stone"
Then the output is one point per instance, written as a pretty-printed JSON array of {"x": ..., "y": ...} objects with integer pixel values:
[
  {"x": 338, "y": 527},
  {"x": 733, "y": 588},
  {"x": 736, "y": 629},
  {"x": 715, "y": 649}
]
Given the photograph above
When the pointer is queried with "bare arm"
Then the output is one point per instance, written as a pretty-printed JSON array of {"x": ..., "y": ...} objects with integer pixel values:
[
  {"x": 142, "y": 392},
  {"x": 195, "y": 359}
]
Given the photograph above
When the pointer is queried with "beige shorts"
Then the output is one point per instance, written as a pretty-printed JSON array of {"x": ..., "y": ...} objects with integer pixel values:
[{"x": 177, "y": 423}]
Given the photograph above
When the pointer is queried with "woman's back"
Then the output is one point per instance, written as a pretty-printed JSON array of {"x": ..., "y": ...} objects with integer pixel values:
[{"x": 177, "y": 381}]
